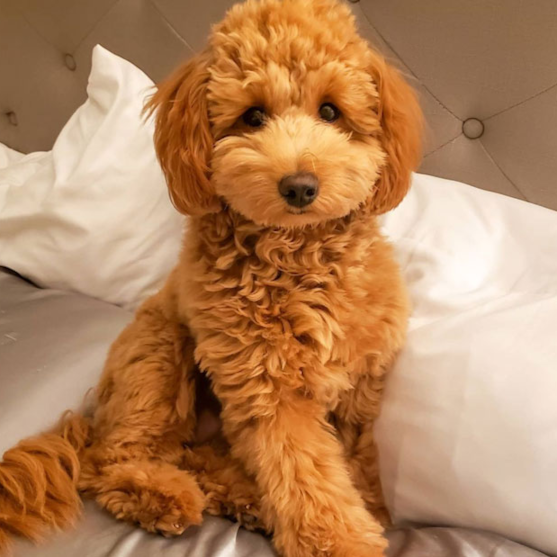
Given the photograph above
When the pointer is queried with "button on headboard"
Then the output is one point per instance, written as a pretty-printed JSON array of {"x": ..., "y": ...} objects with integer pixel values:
[{"x": 486, "y": 73}]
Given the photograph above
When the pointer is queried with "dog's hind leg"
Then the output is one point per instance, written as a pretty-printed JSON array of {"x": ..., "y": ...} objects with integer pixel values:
[{"x": 144, "y": 416}]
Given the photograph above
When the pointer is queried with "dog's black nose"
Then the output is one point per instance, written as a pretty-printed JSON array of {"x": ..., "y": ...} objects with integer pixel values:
[{"x": 299, "y": 189}]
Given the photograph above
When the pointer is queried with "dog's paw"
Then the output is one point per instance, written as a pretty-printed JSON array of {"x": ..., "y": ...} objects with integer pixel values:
[
  {"x": 239, "y": 502},
  {"x": 249, "y": 516},
  {"x": 160, "y": 499},
  {"x": 160, "y": 513},
  {"x": 230, "y": 492},
  {"x": 169, "y": 515},
  {"x": 361, "y": 548},
  {"x": 363, "y": 537},
  {"x": 365, "y": 540},
  {"x": 353, "y": 548}
]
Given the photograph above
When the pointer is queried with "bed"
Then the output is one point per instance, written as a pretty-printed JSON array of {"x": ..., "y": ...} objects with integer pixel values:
[{"x": 464, "y": 477}]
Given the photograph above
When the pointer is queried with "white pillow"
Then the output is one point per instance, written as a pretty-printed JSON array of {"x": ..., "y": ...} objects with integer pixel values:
[
  {"x": 93, "y": 215},
  {"x": 8, "y": 156},
  {"x": 468, "y": 432}
]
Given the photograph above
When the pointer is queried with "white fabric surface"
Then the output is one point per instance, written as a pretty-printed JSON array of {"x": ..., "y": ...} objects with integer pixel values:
[
  {"x": 8, "y": 156},
  {"x": 93, "y": 215},
  {"x": 468, "y": 432}
]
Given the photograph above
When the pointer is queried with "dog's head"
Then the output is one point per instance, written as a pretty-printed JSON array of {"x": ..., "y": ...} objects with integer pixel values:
[{"x": 288, "y": 117}]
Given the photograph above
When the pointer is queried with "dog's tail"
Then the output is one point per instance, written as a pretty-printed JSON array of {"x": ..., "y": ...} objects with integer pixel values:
[{"x": 38, "y": 482}]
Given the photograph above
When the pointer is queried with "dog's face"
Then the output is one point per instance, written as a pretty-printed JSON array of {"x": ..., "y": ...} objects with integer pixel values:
[{"x": 288, "y": 117}]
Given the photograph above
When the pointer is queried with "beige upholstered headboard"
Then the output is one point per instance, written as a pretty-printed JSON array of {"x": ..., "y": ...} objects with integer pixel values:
[{"x": 486, "y": 71}]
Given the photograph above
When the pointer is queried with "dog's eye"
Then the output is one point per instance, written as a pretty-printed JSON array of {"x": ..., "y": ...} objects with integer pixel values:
[
  {"x": 329, "y": 112},
  {"x": 254, "y": 117}
]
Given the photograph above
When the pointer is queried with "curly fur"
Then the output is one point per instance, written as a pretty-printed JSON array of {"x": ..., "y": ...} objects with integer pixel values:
[
  {"x": 294, "y": 315},
  {"x": 38, "y": 482}
]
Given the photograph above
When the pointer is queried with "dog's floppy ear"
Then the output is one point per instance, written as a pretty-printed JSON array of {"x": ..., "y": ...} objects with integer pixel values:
[
  {"x": 183, "y": 139},
  {"x": 401, "y": 123}
]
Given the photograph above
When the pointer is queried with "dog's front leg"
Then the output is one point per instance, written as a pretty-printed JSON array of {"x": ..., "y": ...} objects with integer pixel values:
[
  {"x": 308, "y": 496},
  {"x": 354, "y": 419}
]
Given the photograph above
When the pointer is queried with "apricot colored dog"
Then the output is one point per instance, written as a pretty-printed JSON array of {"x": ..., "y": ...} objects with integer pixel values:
[{"x": 283, "y": 140}]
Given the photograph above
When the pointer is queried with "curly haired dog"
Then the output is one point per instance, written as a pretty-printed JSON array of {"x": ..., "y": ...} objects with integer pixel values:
[{"x": 283, "y": 140}]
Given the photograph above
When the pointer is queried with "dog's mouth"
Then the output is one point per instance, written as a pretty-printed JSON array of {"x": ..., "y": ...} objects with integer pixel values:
[{"x": 296, "y": 211}]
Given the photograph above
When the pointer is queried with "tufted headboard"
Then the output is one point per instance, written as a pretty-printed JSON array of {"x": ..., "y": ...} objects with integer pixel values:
[{"x": 486, "y": 71}]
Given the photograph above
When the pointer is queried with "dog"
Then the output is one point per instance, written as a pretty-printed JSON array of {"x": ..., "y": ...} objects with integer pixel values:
[{"x": 283, "y": 141}]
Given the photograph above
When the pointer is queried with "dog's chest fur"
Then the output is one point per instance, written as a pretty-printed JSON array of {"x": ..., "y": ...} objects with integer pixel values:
[{"x": 276, "y": 310}]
